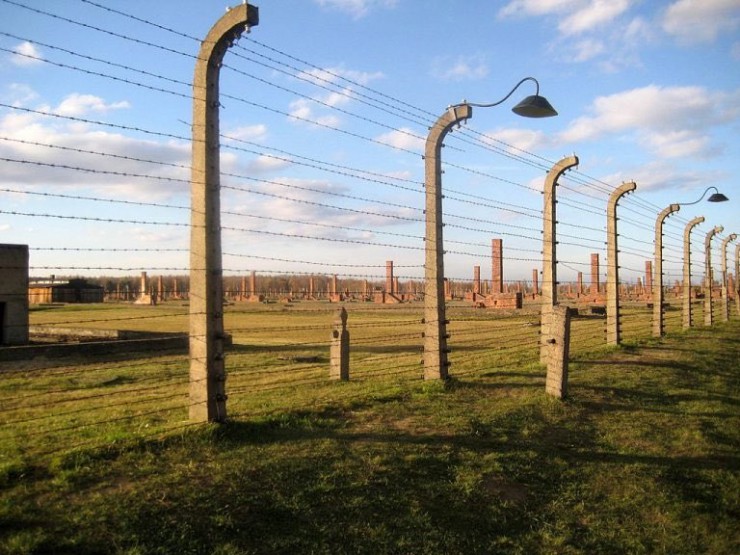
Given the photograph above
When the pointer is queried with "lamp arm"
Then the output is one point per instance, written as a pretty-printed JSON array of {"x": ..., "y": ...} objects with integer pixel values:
[
  {"x": 504, "y": 99},
  {"x": 701, "y": 197}
]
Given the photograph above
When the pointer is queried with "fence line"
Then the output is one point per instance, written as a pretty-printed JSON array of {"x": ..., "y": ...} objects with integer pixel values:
[{"x": 309, "y": 217}]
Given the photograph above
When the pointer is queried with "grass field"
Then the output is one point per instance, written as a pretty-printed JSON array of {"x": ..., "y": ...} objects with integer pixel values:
[{"x": 96, "y": 456}]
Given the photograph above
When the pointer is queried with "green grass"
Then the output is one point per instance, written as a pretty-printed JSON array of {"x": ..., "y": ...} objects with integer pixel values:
[{"x": 641, "y": 458}]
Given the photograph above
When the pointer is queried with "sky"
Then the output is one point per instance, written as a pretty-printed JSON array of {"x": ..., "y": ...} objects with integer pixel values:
[{"x": 325, "y": 109}]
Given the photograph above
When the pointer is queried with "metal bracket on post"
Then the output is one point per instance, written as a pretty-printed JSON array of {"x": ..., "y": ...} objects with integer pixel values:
[{"x": 207, "y": 393}]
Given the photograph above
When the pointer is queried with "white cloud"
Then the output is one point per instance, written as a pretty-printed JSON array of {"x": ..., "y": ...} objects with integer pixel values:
[
  {"x": 587, "y": 49},
  {"x": 247, "y": 132},
  {"x": 318, "y": 108},
  {"x": 140, "y": 236},
  {"x": 303, "y": 202},
  {"x": 338, "y": 98},
  {"x": 302, "y": 110},
  {"x": 357, "y": 8},
  {"x": 663, "y": 175},
  {"x": 537, "y": 7},
  {"x": 460, "y": 68},
  {"x": 519, "y": 139},
  {"x": 19, "y": 94},
  {"x": 678, "y": 143},
  {"x": 126, "y": 156},
  {"x": 26, "y": 54},
  {"x": 672, "y": 121},
  {"x": 600, "y": 31},
  {"x": 593, "y": 15},
  {"x": 404, "y": 138},
  {"x": 265, "y": 164},
  {"x": 81, "y": 104},
  {"x": 331, "y": 75},
  {"x": 701, "y": 20}
]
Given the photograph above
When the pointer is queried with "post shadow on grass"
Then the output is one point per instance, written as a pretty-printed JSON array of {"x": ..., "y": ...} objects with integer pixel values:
[
  {"x": 655, "y": 398},
  {"x": 631, "y": 366}
]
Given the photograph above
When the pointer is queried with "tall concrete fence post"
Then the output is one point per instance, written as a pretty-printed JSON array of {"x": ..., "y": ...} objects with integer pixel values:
[
  {"x": 339, "y": 352},
  {"x": 558, "y": 347},
  {"x": 688, "y": 317},
  {"x": 549, "y": 259},
  {"x": 207, "y": 368},
  {"x": 725, "y": 297},
  {"x": 658, "y": 304},
  {"x": 436, "y": 365},
  {"x": 708, "y": 275},
  {"x": 737, "y": 278},
  {"x": 613, "y": 330}
]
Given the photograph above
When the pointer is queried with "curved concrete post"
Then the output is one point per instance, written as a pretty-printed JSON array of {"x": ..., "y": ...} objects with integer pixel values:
[
  {"x": 708, "y": 275},
  {"x": 549, "y": 260},
  {"x": 207, "y": 370},
  {"x": 435, "y": 323},
  {"x": 737, "y": 278},
  {"x": 687, "y": 316},
  {"x": 612, "y": 271},
  {"x": 725, "y": 297},
  {"x": 658, "y": 278}
]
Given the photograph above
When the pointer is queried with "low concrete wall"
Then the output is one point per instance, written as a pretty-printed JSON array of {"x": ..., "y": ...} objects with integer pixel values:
[
  {"x": 100, "y": 349},
  {"x": 83, "y": 334}
]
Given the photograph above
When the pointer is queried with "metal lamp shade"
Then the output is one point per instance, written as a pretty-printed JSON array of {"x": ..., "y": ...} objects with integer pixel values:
[
  {"x": 534, "y": 106},
  {"x": 717, "y": 197}
]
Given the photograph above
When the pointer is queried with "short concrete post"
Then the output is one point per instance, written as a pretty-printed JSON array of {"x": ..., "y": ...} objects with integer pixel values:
[
  {"x": 558, "y": 350},
  {"x": 687, "y": 312},
  {"x": 613, "y": 332},
  {"x": 549, "y": 259},
  {"x": 708, "y": 275},
  {"x": 339, "y": 352},
  {"x": 658, "y": 316},
  {"x": 725, "y": 298}
]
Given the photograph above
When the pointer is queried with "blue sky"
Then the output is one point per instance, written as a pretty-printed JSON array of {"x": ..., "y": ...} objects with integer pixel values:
[{"x": 325, "y": 107}]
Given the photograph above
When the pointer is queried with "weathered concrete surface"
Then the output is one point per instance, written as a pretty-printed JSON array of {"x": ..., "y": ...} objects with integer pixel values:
[{"x": 13, "y": 294}]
